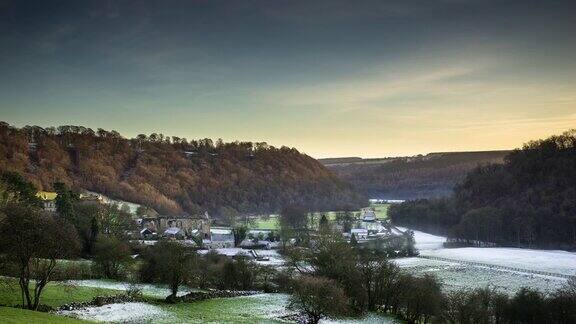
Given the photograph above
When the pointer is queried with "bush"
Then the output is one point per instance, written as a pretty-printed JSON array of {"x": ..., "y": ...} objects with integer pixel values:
[
  {"x": 318, "y": 297},
  {"x": 111, "y": 257},
  {"x": 171, "y": 263}
]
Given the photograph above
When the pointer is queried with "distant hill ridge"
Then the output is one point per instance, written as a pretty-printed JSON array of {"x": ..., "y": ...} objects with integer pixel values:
[
  {"x": 410, "y": 177},
  {"x": 355, "y": 159},
  {"x": 171, "y": 174}
]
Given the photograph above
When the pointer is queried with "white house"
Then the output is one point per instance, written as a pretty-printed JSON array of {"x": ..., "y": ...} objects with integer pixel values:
[
  {"x": 368, "y": 214},
  {"x": 173, "y": 232},
  {"x": 359, "y": 233},
  {"x": 220, "y": 238}
]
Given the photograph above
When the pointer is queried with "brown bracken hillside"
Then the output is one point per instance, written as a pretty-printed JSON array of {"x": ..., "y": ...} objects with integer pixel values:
[{"x": 171, "y": 174}]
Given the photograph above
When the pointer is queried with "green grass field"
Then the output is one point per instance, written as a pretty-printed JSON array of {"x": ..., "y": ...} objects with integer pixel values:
[
  {"x": 271, "y": 223},
  {"x": 55, "y": 294},
  {"x": 10, "y": 315},
  {"x": 250, "y": 309},
  {"x": 381, "y": 210},
  {"x": 262, "y": 308}
]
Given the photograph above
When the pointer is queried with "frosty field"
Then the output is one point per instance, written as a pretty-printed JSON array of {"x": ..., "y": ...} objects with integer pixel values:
[
  {"x": 560, "y": 262},
  {"x": 147, "y": 289},
  {"x": 121, "y": 312},
  {"x": 261, "y": 308},
  {"x": 456, "y": 274}
]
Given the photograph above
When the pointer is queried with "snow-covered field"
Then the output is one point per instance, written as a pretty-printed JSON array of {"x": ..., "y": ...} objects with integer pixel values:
[
  {"x": 455, "y": 274},
  {"x": 555, "y": 261},
  {"x": 367, "y": 319},
  {"x": 229, "y": 252},
  {"x": 275, "y": 259},
  {"x": 561, "y": 262},
  {"x": 425, "y": 241},
  {"x": 121, "y": 312},
  {"x": 147, "y": 289}
]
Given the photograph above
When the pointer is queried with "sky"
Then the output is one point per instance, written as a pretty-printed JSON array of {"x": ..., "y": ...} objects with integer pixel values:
[{"x": 331, "y": 78}]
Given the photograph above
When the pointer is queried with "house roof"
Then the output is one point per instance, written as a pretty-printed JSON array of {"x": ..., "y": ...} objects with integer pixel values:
[
  {"x": 368, "y": 215},
  {"x": 46, "y": 195},
  {"x": 172, "y": 231},
  {"x": 221, "y": 231},
  {"x": 221, "y": 235},
  {"x": 359, "y": 231}
]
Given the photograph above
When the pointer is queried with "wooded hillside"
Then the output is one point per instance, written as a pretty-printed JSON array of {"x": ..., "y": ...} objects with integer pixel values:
[
  {"x": 423, "y": 176},
  {"x": 171, "y": 174},
  {"x": 530, "y": 200}
]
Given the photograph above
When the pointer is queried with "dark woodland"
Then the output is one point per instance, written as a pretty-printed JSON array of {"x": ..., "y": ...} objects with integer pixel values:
[
  {"x": 424, "y": 176},
  {"x": 530, "y": 200}
]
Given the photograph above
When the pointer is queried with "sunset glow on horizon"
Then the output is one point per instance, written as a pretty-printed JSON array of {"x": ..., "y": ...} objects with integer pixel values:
[{"x": 330, "y": 78}]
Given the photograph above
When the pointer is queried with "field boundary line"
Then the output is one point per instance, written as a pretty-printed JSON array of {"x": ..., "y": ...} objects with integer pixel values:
[{"x": 501, "y": 267}]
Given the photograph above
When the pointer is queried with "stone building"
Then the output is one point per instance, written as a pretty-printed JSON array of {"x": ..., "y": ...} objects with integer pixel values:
[
  {"x": 183, "y": 225},
  {"x": 221, "y": 237}
]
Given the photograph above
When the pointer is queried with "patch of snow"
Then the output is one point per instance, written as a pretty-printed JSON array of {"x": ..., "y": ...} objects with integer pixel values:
[
  {"x": 425, "y": 241},
  {"x": 274, "y": 258},
  {"x": 258, "y": 231},
  {"x": 221, "y": 231},
  {"x": 229, "y": 252},
  {"x": 414, "y": 261},
  {"x": 368, "y": 319},
  {"x": 121, "y": 312},
  {"x": 147, "y": 289}
]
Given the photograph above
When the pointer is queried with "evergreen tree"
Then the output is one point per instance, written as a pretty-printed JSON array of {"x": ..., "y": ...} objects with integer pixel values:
[
  {"x": 65, "y": 201},
  {"x": 353, "y": 240},
  {"x": 324, "y": 225}
]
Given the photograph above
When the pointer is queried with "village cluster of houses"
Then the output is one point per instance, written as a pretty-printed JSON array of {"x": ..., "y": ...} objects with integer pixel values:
[
  {"x": 186, "y": 227},
  {"x": 154, "y": 226},
  {"x": 369, "y": 227},
  {"x": 198, "y": 230}
]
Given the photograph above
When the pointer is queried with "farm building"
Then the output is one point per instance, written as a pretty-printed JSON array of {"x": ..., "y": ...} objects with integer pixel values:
[
  {"x": 220, "y": 237},
  {"x": 359, "y": 233},
  {"x": 368, "y": 214}
]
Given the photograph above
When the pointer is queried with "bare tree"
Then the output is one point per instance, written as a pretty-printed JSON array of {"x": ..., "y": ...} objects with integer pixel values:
[
  {"x": 318, "y": 297},
  {"x": 34, "y": 241}
]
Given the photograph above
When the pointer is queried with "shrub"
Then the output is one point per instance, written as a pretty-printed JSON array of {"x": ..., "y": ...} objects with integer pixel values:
[
  {"x": 111, "y": 257},
  {"x": 318, "y": 297}
]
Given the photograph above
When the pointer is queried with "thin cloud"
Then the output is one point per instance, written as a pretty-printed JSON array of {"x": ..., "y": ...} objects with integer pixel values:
[{"x": 386, "y": 85}]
